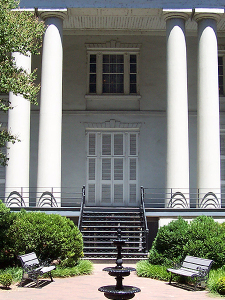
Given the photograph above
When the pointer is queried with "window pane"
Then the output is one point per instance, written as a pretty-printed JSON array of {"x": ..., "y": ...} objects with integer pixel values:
[
  {"x": 133, "y": 89},
  {"x": 120, "y": 68},
  {"x": 112, "y": 58},
  {"x": 119, "y": 88},
  {"x": 120, "y": 78},
  {"x": 113, "y": 88},
  {"x": 92, "y": 78},
  {"x": 133, "y": 78},
  {"x": 105, "y": 68},
  {"x": 105, "y": 58},
  {"x": 106, "y": 78},
  {"x": 93, "y": 58},
  {"x": 119, "y": 58},
  {"x": 112, "y": 68},
  {"x": 105, "y": 88},
  {"x": 133, "y": 58},
  {"x": 133, "y": 68},
  {"x": 92, "y": 68}
]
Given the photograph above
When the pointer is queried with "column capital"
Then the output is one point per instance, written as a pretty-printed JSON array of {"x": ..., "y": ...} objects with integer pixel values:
[
  {"x": 176, "y": 14},
  {"x": 53, "y": 13},
  {"x": 202, "y": 13}
]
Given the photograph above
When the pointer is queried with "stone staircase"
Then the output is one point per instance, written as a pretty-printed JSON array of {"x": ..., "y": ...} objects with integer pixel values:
[{"x": 99, "y": 228}]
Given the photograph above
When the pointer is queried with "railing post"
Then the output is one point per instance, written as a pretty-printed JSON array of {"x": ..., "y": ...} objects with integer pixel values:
[
  {"x": 81, "y": 208},
  {"x": 146, "y": 230}
]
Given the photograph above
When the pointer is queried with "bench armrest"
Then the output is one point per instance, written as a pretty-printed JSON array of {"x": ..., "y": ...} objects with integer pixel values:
[
  {"x": 32, "y": 268},
  {"x": 202, "y": 272}
]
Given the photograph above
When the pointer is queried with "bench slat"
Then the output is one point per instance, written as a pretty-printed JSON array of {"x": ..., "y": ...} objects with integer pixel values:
[
  {"x": 199, "y": 261},
  {"x": 193, "y": 266}
]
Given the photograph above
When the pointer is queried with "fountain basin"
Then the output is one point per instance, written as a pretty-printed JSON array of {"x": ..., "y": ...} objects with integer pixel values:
[{"x": 111, "y": 292}]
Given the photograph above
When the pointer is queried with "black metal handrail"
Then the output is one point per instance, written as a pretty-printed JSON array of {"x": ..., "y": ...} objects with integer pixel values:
[
  {"x": 146, "y": 230},
  {"x": 81, "y": 208}
]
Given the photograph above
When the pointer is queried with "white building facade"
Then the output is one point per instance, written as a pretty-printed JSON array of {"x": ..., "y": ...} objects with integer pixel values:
[{"x": 131, "y": 95}]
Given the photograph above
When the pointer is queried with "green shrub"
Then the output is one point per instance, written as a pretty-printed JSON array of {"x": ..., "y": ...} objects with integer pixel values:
[
  {"x": 83, "y": 267},
  {"x": 203, "y": 237},
  {"x": 50, "y": 236},
  {"x": 6, "y": 219},
  {"x": 145, "y": 269},
  {"x": 15, "y": 272},
  {"x": 206, "y": 239},
  {"x": 221, "y": 286},
  {"x": 169, "y": 243},
  {"x": 6, "y": 279}
]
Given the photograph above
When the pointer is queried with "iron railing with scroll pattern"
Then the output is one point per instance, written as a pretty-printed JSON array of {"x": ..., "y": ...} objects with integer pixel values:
[
  {"x": 183, "y": 198},
  {"x": 24, "y": 197}
]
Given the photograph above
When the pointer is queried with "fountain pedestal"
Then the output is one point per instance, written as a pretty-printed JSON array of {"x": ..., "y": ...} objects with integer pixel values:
[{"x": 119, "y": 291}]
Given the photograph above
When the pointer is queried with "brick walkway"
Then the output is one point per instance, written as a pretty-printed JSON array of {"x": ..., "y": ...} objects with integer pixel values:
[{"x": 86, "y": 288}]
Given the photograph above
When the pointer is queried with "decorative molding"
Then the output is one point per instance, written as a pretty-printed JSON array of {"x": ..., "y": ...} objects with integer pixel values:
[
  {"x": 113, "y": 45},
  {"x": 112, "y": 124}
]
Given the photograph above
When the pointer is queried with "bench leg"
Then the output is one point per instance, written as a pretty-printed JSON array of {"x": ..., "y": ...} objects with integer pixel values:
[
  {"x": 50, "y": 275},
  {"x": 171, "y": 276}
]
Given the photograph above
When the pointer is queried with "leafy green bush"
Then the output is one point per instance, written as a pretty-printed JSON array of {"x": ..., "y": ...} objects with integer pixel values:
[
  {"x": 6, "y": 219},
  {"x": 214, "y": 278},
  {"x": 50, "y": 236},
  {"x": 145, "y": 269},
  {"x": 83, "y": 267},
  {"x": 15, "y": 272},
  {"x": 203, "y": 237},
  {"x": 221, "y": 286},
  {"x": 169, "y": 243},
  {"x": 6, "y": 279},
  {"x": 206, "y": 239}
]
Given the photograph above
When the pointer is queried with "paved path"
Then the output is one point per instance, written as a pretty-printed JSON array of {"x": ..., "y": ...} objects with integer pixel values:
[{"x": 86, "y": 288}]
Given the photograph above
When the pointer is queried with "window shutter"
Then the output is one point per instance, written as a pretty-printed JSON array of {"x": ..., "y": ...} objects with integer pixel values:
[
  {"x": 133, "y": 169},
  {"x": 92, "y": 143},
  {"x": 118, "y": 169},
  {"x": 106, "y": 144},
  {"x": 91, "y": 168},
  {"x": 91, "y": 193},
  {"x": 118, "y": 144},
  {"x": 106, "y": 169},
  {"x": 133, "y": 192},
  {"x": 106, "y": 193},
  {"x": 133, "y": 144},
  {"x": 118, "y": 193}
]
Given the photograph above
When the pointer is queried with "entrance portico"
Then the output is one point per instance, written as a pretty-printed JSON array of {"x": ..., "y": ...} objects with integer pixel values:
[{"x": 177, "y": 170}]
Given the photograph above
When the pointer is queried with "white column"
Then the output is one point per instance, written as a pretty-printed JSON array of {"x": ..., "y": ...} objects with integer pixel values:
[
  {"x": 17, "y": 171},
  {"x": 50, "y": 126},
  {"x": 177, "y": 112},
  {"x": 208, "y": 130}
]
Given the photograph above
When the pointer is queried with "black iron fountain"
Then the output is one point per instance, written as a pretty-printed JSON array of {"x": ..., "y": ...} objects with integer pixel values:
[{"x": 119, "y": 291}]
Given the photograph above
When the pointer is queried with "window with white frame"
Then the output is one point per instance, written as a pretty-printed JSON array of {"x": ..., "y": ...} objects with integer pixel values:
[
  {"x": 113, "y": 69},
  {"x": 112, "y": 168}
]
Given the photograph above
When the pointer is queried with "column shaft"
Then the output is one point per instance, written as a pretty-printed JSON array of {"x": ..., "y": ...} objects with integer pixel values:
[
  {"x": 208, "y": 153},
  {"x": 177, "y": 114},
  {"x": 50, "y": 126},
  {"x": 17, "y": 171}
]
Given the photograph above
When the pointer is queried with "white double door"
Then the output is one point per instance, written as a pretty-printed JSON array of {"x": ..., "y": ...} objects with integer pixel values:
[{"x": 112, "y": 168}]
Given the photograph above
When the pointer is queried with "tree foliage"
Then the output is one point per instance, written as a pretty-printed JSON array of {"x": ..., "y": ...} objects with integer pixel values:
[{"x": 20, "y": 31}]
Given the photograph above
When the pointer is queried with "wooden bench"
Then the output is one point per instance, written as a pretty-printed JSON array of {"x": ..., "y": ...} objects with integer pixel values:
[
  {"x": 33, "y": 267},
  {"x": 193, "y": 267}
]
